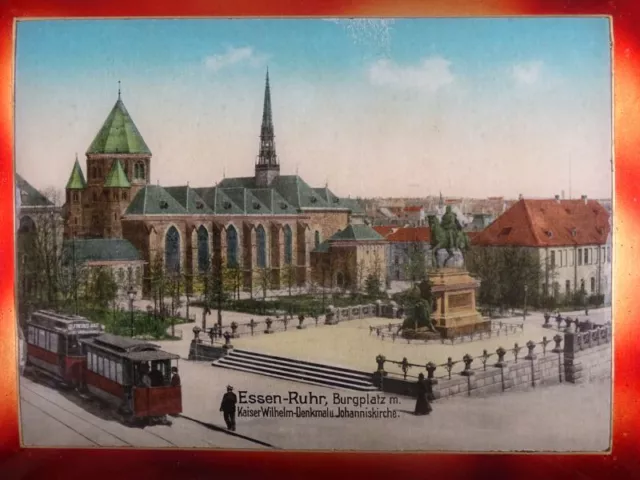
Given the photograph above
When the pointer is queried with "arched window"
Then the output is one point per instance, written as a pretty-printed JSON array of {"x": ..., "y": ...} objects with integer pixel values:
[
  {"x": 288, "y": 245},
  {"x": 124, "y": 195},
  {"x": 232, "y": 247},
  {"x": 317, "y": 239},
  {"x": 261, "y": 240},
  {"x": 203, "y": 249},
  {"x": 76, "y": 197},
  {"x": 172, "y": 250},
  {"x": 139, "y": 171},
  {"x": 27, "y": 225}
]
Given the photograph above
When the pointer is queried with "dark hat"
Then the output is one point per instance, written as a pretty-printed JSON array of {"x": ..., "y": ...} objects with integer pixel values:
[
  {"x": 174, "y": 369},
  {"x": 229, "y": 388}
]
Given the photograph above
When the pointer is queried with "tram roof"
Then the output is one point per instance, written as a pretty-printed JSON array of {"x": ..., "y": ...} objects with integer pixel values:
[{"x": 134, "y": 350}]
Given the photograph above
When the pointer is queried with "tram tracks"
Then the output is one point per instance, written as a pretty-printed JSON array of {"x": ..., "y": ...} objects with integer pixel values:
[{"x": 95, "y": 425}]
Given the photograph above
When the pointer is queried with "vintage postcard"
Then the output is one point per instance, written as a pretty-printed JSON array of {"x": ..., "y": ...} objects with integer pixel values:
[{"x": 315, "y": 234}]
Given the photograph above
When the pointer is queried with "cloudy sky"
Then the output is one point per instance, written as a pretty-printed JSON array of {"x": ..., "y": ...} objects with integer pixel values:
[{"x": 473, "y": 107}]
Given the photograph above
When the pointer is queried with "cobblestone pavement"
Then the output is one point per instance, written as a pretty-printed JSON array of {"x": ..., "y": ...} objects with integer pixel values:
[
  {"x": 563, "y": 417},
  {"x": 51, "y": 418}
]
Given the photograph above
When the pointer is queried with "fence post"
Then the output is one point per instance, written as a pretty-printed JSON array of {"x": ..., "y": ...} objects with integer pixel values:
[{"x": 531, "y": 356}]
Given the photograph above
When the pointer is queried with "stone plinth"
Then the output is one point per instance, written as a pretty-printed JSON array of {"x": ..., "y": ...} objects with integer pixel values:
[{"x": 454, "y": 293}]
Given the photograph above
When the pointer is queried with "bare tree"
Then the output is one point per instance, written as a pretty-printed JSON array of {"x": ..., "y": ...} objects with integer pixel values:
[{"x": 290, "y": 276}]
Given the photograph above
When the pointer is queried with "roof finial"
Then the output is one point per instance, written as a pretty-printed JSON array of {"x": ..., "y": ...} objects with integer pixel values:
[
  {"x": 118, "y": 89},
  {"x": 76, "y": 156},
  {"x": 224, "y": 172}
]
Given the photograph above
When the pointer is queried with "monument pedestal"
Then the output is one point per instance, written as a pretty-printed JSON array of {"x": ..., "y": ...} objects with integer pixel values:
[{"x": 454, "y": 294}]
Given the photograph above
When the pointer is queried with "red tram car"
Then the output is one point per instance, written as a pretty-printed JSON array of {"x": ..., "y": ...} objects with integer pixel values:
[
  {"x": 78, "y": 353},
  {"x": 53, "y": 345},
  {"x": 114, "y": 373}
]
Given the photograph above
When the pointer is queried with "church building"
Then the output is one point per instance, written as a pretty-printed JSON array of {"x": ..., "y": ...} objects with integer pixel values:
[{"x": 264, "y": 223}]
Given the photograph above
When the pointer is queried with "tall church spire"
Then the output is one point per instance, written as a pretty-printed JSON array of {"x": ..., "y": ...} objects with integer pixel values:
[{"x": 267, "y": 166}]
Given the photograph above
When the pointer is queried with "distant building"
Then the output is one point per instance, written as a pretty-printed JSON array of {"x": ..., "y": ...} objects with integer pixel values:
[
  {"x": 348, "y": 257},
  {"x": 572, "y": 238},
  {"x": 405, "y": 244},
  {"x": 119, "y": 256}
]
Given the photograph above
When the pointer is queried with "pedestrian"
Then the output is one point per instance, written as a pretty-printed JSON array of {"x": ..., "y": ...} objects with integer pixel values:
[
  {"x": 212, "y": 335},
  {"x": 422, "y": 403},
  {"x": 175, "y": 378},
  {"x": 228, "y": 408},
  {"x": 156, "y": 376}
]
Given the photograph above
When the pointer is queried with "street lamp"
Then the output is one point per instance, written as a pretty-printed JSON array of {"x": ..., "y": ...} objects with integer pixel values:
[
  {"x": 132, "y": 296},
  {"x": 524, "y": 310}
]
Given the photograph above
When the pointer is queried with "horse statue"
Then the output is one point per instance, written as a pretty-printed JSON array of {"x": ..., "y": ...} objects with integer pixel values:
[{"x": 448, "y": 236}]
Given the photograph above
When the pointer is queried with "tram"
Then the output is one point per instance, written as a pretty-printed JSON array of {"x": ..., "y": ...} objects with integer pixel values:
[
  {"x": 114, "y": 373},
  {"x": 132, "y": 376},
  {"x": 53, "y": 345}
]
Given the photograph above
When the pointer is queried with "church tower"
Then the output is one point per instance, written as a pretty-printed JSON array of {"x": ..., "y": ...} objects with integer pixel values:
[
  {"x": 75, "y": 196},
  {"x": 267, "y": 166},
  {"x": 118, "y": 166}
]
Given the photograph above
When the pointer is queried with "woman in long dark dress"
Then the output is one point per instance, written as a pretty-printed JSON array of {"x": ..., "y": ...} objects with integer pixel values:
[{"x": 422, "y": 403}]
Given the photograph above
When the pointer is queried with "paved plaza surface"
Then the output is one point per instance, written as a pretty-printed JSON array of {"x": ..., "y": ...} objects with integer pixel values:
[{"x": 351, "y": 344}]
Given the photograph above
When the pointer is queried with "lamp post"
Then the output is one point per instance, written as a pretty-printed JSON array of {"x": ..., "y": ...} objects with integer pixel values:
[
  {"x": 524, "y": 310},
  {"x": 132, "y": 296}
]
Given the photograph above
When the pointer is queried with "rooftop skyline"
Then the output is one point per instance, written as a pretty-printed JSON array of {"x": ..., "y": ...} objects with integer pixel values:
[{"x": 402, "y": 108}]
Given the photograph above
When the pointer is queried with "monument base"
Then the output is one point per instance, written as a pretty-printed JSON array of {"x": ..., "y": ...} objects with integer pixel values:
[{"x": 454, "y": 293}]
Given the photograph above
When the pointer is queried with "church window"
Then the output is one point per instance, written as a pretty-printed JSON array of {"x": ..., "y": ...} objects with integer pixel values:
[
  {"x": 203, "y": 249},
  {"x": 317, "y": 238},
  {"x": 124, "y": 195},
  {"x": 172, "y": 250},
  {"x": 232, "y": 247},
  {"x": 139, "y": 171},
  {"x": 261, "y": 239},
  {"x": 288, "y": 245},
  {"x": 76, "y": 197}
]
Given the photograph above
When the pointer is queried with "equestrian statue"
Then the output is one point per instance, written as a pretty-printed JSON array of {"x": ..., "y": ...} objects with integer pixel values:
[{"x": 447, "y": 235}]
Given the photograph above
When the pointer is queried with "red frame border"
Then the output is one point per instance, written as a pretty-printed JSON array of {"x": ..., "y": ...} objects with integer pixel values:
[{"x": 32, "y": 463}]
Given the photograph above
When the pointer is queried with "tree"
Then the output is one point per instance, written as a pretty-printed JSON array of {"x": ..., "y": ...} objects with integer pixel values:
[
  {"x": 40, "y": 254},
  {"x": 158, "y": 282},
  {"x": 373, "y": 285},
  {"x": 264, "y": 281},
  {"x": 416, "y": 265},
  {"x": 217, "y": 287},
  {"x": 103, "y": 288},
  {"x": 487, "y": 263},
  {"x": 289, "y": 276}
]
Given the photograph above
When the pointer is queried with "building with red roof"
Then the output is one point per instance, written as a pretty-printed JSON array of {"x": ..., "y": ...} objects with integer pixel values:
[
  {"x": 572, "y": 238},
  {"x": 406, "y": 245}
]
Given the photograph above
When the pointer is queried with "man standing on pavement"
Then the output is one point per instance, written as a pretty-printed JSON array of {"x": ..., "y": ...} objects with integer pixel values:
[{"x": 228, "y": 408}]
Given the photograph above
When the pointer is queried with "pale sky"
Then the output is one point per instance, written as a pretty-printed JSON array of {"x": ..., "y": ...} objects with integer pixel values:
[{"x": 412, "y": 107}]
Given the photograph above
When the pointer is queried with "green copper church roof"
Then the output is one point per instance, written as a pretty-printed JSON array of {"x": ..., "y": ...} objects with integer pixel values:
[
  {"x": 76, "y": 180},
  {"x": 99, "y": 250},
  {"x": 357, "y": 232},
  {"x": 239, "y": 196},
  {"x": 119, "y": 134},
  {"x": 116, "y": 177}
]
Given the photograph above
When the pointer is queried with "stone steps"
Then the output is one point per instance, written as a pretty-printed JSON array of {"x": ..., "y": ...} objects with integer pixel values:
[{"x": 296, "y": 370}]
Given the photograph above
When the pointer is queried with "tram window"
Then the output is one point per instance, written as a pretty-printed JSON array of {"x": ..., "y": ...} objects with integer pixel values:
[
  {"x": 90, "y": 361},
  {"x": 119, "y": 373},
  {"x": 100, "y": 367},
  {"x": 112, "y": 370},
  {"x": 31, "y": 335},
  {"x": 42, "y": 339},
  {"x": 53, "y": 342},
  {"x": 94, "y": 362}
]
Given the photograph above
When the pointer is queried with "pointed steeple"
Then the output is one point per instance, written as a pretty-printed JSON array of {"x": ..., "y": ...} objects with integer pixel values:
[
  {"x": 117, "y": 178},
  {"x": 441, "y": 201},
  {"x": 267, "y": 155},
  {"x": 76, "y": 179},
  {"x": 267, "y": 166}
]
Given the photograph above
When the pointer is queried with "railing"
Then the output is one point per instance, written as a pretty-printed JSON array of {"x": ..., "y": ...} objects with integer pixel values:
[
  {"x": 500, "y": 357},
  {"x": 385, "y": 332}
]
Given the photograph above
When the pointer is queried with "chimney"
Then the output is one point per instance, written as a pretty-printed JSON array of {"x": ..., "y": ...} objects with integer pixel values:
[
  {"x": 584, "y": 199},
  {"x": 557, "y": 198},
  {"x": 520, "y": 197}
]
